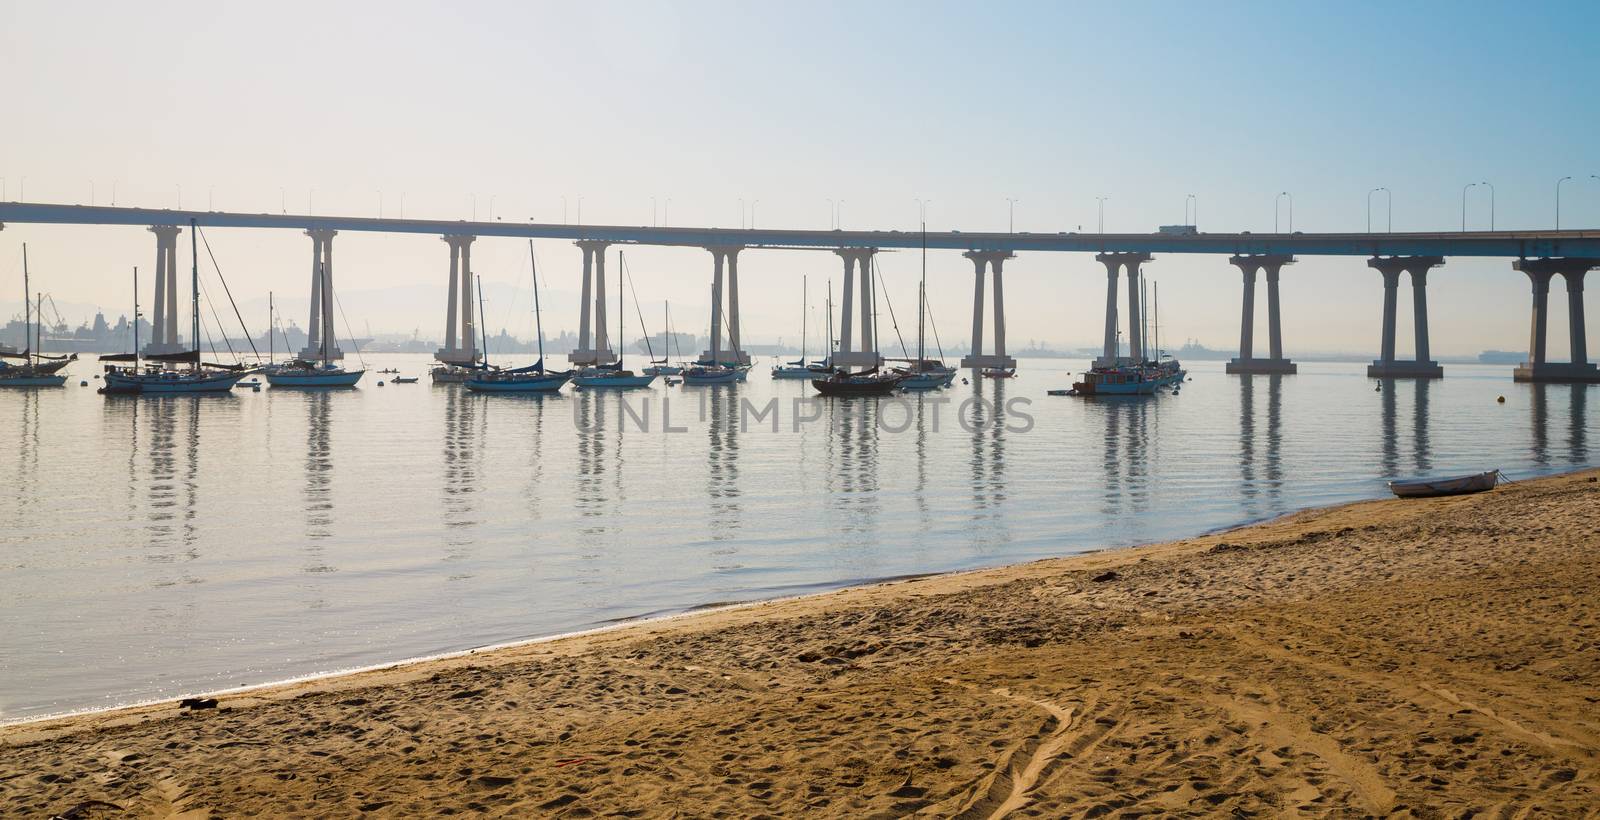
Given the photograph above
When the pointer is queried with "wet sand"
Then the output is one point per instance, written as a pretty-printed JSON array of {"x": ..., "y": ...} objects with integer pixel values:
[{"x": 1430, "y": 658}]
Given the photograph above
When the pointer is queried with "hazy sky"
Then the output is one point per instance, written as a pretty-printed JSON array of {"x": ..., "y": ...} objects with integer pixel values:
[{"x": 260, "y": 107}]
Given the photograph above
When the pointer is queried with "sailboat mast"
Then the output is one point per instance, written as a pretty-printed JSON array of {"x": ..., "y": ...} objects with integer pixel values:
[
  {"x": 829, "y": 305},
  {"x": 194, "y": 276},
  {"x": 620, "y": 316},
  {"x": 327, "y": 330},
  {"x": 803, "y": 313},
  {"x": 483, "y": 332},
  {"x": 135, "y": 318},
  {"x": 1155, "y": 308},
  {"x": 38, "y": 327},
  {"x": 272, "y": 321},
  {"x": 922, "y": 297},
  {"x": 27, "y": 305},
  {"x": 1144, "y": 317},
  {"x": 538, "y": 321},
  {"x": 872, "y": 277},
  {"x": 638, "y": 309}
]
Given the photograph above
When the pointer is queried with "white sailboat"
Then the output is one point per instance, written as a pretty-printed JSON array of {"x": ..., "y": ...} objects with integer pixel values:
[
  {"x": 714, "y": 373},
  {"x": 662, "y": 366},
  {"x": 801, "y": 368},
  {"x": 323, "y": 372},
  {"x": 711, "y": 368},
  {"x": 925, "y": 373},
  {"x": 612, "y": 376}
]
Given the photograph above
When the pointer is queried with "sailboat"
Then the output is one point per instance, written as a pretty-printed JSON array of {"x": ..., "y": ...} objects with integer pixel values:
[
  {"x": 321, "y": 373},
  {"x": 661, "y": 367},
  {"x": 1125, "y": 377},
  {"x": 800, "y": 368},
  {"x": 925, "y": 373},
  {"x": 714, "y": 373},
  {"x": 159, "y": 376},
  {"x": 531, "y": 379},
  {"x": 872, "y": 381},
  {"x": 711, "y": 369},
  {"x": 1168, "y": 370},
  {"x": 36, "y": 370},
  {"x": 612, "y": 375}
]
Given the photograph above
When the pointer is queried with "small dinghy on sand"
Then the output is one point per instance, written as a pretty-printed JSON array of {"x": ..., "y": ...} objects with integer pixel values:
[{"x": 1445, "y": 485}]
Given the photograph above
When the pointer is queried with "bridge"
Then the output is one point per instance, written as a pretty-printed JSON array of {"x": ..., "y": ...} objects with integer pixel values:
[{"x": 1540, "y": 255}]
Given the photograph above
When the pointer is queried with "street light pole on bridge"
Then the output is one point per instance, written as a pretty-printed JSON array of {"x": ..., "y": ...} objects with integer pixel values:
[
  {"x": 1558, "y": 201},
  {"x": 1390, "y": 197}
]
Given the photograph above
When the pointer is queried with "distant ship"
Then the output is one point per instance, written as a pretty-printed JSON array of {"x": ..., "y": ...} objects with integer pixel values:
[
  {"x": 1502, "y": 357},
  {"x": 1192, "y": 349}
]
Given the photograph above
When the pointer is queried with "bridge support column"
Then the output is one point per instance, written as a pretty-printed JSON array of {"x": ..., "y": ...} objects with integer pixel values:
[
  {"x": 593, "y": 341},
  {"x": 1537, "y": 368},
  {"x": 864, "y": 351},
  {"x": 320, "y": 321},
  {"x": 1135, "y": 315},
  {"x": 469, "y": 305},
  {"x": 1387, "y": 366},
  {"x": 725, "y": 317},
  {"x": 602, "y": 327},
  {"x": 1110, "y": 354},
  {"x": 733, "y": 307},
  {"x": 460, "y": 342},
  {"x": 1247, "y": 361},
  {"x": 164, "y": 322},
  {"x": 976, "y": 358},
  {"x": 846, "y": 322}
]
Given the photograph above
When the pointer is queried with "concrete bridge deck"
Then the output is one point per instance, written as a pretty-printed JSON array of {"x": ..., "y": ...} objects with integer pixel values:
[{"x": 1509, "y": 244}]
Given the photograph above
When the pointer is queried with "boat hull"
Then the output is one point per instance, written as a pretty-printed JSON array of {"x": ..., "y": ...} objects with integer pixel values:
[
  {"x": 450, "y": 375},
  {"x": 728, "y": 377},
  {"x": 663, "y": 370},
  {"x": 612, "y": 382},
  {"x": 157, "y": 384},
  {"x": 314, "y": 379},
  {"x": 797, "y": 373},
  {"x": 1133, "y": 389},
  {"x": 1139, "y": 386},
  {"x": 845, "y": 389},
  {"x": 535, "y": 384},
  {"x": 927, "y": 381},
  {"x": 1447, "y": 485},
  {"x": 32, "y": 381}
]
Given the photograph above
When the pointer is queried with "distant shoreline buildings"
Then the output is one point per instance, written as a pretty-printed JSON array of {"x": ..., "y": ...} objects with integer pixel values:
[
  {"x": 96, "y": 336},
  {"x": 101, "y": 336}
]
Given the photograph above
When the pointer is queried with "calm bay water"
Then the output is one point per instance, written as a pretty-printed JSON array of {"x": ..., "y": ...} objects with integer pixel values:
[{"x": 157, "y": 546}]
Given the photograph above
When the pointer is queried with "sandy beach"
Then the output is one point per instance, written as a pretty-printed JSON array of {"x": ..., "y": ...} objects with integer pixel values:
[{"x": 1425, "y": 658}]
